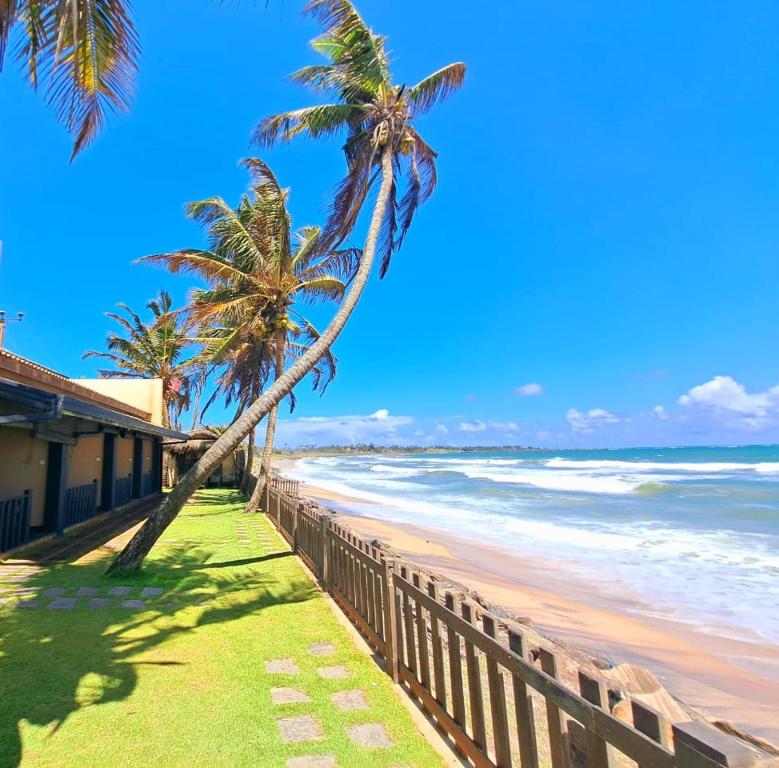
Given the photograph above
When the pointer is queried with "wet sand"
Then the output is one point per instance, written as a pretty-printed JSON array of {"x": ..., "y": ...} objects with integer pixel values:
[{"x": 725, "y": 679}]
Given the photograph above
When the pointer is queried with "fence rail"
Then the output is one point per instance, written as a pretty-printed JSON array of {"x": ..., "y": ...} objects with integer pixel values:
[
  {"x": 15, "y": 521},
  {"x": 80, "y": 503},
  {"x": 501, "y": 703},
  {"x": 123, "y": 490}
]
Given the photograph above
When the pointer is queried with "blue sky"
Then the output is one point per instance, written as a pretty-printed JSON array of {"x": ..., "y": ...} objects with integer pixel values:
[{"x": 605, "y": 224}]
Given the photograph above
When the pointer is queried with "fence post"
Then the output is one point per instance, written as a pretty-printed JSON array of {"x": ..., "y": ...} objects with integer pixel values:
[
  {"x": 390, "y": 622},
  {"x": 325, "y": 575},
  {"x": 698, "y": 745}
]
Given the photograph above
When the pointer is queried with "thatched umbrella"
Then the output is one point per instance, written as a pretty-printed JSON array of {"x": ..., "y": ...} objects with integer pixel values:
[{"x": 197, "y": 443}]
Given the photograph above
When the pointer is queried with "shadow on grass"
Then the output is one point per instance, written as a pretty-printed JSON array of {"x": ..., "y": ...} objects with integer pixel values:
[
  {"x": 211, "y": 496},
  {"x": 56, "y": 662},
  {"x": 247, "y": 560}
]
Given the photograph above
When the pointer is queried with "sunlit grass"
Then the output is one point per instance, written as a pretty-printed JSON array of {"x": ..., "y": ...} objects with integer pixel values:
[{"x": 183, "y": 682}]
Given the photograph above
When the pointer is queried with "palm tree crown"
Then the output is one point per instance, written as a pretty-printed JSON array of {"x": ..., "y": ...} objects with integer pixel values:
[
  {"x": 152, "y": 350},
  {"x": 256, "y": 270},
  {"x": 374, "y": 113}
]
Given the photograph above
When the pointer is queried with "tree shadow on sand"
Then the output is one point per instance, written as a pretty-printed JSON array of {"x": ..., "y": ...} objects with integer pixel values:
[{"x": 56, "y": 662}]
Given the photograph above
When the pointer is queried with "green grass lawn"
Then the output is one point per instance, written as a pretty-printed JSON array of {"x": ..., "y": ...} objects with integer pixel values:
[{"x": 182, "y": 681}]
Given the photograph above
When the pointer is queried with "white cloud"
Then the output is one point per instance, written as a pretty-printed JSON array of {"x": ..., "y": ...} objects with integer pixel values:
[
  {"x": 477, "y": 425},
  {"x": 441, "y": 429},
  {"x": 590, "y": 420},
  {"x": 726, "y": 399},
  {"x": 529, "y": 390},
  {"x": 661, "y": 413},
  {"x": 503, "y": 426},
  {"x": 380, "y": 427},
  {"x": 473, "y": 426}
]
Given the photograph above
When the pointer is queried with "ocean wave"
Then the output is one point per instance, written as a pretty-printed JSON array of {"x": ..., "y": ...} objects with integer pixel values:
[
  {"x": 704, "y": 467},
  {"x": 389, "y": 470},
  {"x": 567, "y": 481}
]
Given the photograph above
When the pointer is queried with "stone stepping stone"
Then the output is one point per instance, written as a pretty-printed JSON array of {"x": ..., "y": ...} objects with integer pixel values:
[
  {"x": 53, "y": 592},
  {"x": 28, "y": 603},
  {"x": 152, "y": 591},
  {"x": 119, "y": 591},
  {"x": 62, "y": 603},
  {"x": 333, "y": 673},
  {"x": 369, "y": 735},
  {"x": 296, "y": 729},
  {"x": 346, "y": 700},
  {"x": 86, "y": 591},
  {"x": 99, "y": 602},
  {"x": 321, "y": 649},
  {"x": 288, "y": 696},
  {"x": 282, "y": 667},
  {"x": 311, "y": 761},
  {"x": 133, "y": 604}
]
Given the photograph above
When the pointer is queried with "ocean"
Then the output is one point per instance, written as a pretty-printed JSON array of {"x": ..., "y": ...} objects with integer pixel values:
[{"x": 691, "y": 534}]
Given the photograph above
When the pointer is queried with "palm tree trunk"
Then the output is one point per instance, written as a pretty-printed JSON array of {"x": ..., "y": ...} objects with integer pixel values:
[
  {"x": 167, "y": 460},
  {"x": 196, "y": 406},
  {"x": 247, "y": 470},
  {"x": 270, "y": 430},
  {"x": 132, "y": 556}
]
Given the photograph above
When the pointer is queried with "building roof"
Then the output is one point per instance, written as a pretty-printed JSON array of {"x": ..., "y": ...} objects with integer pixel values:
[
  {"x": 20, "y": 403},
  {"x": 33, "y": 374}
]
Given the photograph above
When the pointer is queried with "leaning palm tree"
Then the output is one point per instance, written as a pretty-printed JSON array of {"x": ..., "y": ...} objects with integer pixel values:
[
  {"x": 247, "y": 316},
  {"x": 382, "y": 146},
  {"x": 154, "y": 350}
]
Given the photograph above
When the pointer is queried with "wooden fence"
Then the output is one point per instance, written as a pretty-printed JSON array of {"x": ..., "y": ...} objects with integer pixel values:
[
  {"x": 500, "y": 702},
  {"x": 80, "y": 503},
  {"x": 147, "y": 484},
  {"x": 123, "y": 490},
  {"x": 15, "y": 521}
]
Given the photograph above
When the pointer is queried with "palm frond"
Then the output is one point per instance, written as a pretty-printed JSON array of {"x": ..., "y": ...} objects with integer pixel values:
[
  {"x": 204, "y": 264},
  {"x": 435, "y": 88},
  {"x": 317, "y": 122},
  {"x": 86, "y": 52}
]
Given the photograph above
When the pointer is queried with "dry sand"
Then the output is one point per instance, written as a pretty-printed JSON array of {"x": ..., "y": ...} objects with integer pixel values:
[{"x": 726, "y": 679}]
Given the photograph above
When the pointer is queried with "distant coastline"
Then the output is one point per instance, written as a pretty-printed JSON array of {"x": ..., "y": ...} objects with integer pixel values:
[
  {"x": 370, "y": 448},
  {"x": 308, "y": 451}
]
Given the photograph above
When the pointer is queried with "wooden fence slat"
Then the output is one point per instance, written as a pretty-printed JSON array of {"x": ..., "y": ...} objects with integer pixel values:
[
  {"x": 455, "y": 668},
  {"x": 475, "y": 697},
  {"x": 378, "y": 601},
  {"x": 390, "y": 622},
  {"x": 600, "y": 754},
  {"x": 557, "y": 722},
  {"x": 408, "y": 626},
  {"x": 500, "y": 723},
  {"x": 424, "y": 657},
  {"x": 438, "y": 650},
  {"x": 523, "y": 705}
]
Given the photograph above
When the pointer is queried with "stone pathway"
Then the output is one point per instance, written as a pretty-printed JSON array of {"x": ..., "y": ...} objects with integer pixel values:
[
  {"x": 305, "y": 727},
  {"x": 91, "y": 598}
]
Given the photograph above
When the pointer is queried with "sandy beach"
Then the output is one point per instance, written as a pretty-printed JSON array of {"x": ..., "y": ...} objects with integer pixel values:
[{"x": 724, "y": 678}]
